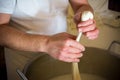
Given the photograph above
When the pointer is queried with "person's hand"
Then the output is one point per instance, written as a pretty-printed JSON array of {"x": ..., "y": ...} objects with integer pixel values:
[
  {"x": 88, "y": 27},
  {"x": 63, "y": 47}
]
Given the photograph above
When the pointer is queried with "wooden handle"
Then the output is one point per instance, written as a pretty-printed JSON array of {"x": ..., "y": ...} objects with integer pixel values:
[{"x": 76, "y": 74}]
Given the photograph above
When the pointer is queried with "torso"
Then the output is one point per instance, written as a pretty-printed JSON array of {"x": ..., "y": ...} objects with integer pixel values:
[{"x": 41, "y": 16}]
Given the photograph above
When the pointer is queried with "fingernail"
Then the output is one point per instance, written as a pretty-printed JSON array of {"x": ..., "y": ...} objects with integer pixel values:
[
  {"x": 83, "y": 49},
  {"x": 81, "y": 55}
]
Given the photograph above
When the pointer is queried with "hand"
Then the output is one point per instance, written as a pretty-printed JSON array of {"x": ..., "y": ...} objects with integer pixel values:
[
  {"x": 88, "y": 28},
  {"x": 63, "y": 47}
]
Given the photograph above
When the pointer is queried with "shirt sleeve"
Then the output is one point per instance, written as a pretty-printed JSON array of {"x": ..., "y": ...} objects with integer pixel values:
[{"x": 7, "y": 6}]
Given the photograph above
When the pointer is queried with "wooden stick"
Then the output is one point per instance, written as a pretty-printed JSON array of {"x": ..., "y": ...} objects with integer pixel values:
[{"x": 76, "y": 74}]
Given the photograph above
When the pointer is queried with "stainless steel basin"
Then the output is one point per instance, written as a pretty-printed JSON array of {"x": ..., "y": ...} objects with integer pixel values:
[{"x": 95, "y": 61}]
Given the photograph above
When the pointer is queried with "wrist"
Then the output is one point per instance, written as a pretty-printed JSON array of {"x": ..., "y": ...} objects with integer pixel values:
[
  {"x": 78, "y": 13},
  {"x": 39, "y": 43}
]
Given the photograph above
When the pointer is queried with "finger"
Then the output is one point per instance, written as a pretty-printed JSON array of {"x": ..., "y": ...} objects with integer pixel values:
[
  {"x": 86, "y": 23},
  {"x": 71, "y": 55},
  {"x": 74, "y": 44},
  {"x": 92, "y": 33},
  {"x": 70, "y": 49},
  {"x": 65, "y": 59},
  {"x": 93, "y": 37},
  {"x": 87, "y": 28}
]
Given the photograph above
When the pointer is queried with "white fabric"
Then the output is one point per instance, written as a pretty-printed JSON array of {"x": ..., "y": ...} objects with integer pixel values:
[
  {"x": 41, "y": 16},
  {"x": 37, "y": 16},
  {"x": 7, "y": 6}
]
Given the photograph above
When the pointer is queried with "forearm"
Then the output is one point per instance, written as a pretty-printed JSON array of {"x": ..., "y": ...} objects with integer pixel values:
[
  {"x": 19, "y": 40},
  {"x": 80, "y": 5}
]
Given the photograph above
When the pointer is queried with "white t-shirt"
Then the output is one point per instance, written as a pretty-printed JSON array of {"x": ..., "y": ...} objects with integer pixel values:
[{"x": 37, "y": 16}]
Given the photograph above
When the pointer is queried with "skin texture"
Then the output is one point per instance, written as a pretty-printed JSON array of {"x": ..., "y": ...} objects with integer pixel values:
[
  {"x": 61, "y": 46},
  {"x": 87, "y": 27}
]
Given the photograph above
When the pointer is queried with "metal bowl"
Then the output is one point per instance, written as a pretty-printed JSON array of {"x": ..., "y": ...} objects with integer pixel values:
[{"x": 95, "y": 62}]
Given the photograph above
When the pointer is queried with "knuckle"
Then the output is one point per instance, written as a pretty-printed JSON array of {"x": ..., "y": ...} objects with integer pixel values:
[
  {"x": 63, "y": 49},
  {"x": 67, "y": 41}
]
